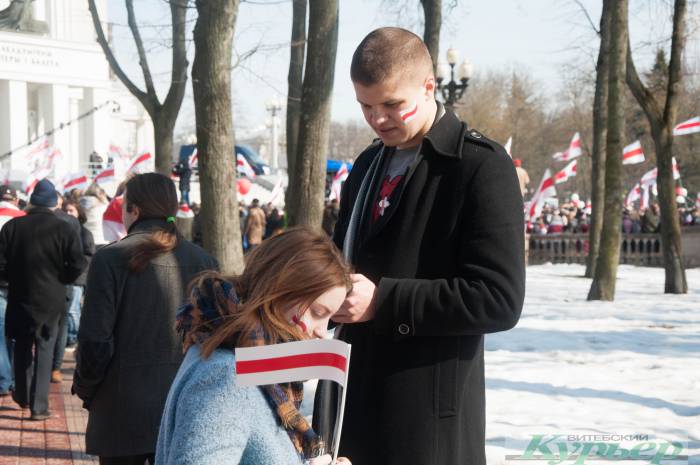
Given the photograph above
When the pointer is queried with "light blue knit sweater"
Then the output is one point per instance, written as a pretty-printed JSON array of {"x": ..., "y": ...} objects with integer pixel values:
[{"x": 209, "y": 420}]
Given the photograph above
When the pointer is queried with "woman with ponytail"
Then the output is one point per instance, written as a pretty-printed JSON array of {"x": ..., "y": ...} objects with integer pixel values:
[
  {"x": 293, "y": 283},
  {"x": 128, "y": 348}
]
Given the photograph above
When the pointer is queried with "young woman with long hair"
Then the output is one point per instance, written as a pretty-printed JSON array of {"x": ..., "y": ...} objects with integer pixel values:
[
  {"x": 293, "y": 283},
  {"x": 128, "y": 348}
]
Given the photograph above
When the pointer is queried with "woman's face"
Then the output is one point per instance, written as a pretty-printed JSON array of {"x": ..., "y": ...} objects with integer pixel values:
[
  {"x": 314, "y": 321},
  {"x": 72, "y": 211}
]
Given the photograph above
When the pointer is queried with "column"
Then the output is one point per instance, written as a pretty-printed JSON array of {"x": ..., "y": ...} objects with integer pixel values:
[
  {"x": 96, "y": 127},
  {"x": 13, "y": 122},
  {"x": 54, "y": 108}
]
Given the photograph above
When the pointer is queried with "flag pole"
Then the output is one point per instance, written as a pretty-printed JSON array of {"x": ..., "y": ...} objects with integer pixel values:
[{"x": 336, "y": 439}]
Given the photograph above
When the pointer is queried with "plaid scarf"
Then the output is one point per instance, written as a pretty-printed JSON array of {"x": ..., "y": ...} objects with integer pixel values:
[{"x": 203, "y": 314}]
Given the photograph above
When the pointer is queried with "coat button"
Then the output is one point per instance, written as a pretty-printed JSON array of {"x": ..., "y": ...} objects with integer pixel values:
[{"x": 404, "y": 329}]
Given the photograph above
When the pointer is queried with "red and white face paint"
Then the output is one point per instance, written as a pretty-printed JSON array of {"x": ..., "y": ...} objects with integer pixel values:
[{"x": 409, "y": 113}]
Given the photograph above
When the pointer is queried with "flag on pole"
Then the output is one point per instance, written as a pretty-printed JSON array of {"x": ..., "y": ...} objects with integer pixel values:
[
  {"x": 243, "y": 167},
  {"x": 644, "y": 200},
  {"x": 112, "y": 223},
  {"x": 697, "y": 201},
  {"x": 633, "y": 154},
  {"x": 569, "y": 171},
  {"x": 104, "y": 177},
  {"x": 572, "y": 152},
  {"x": 337, "y": 183},
  {"x": 297, "y": 361},
  {"x": 140, "y": 164},
  {"x": 687, "y": 127},
  {"x": 544, "y": 191},
  {"x": 676, "y": 170},
  {"x": 649, "y": 177},
  {"x": 508, "y": 145},
  {"x": 75, "y": 181},
  {"x": 277, "y": 191},
  {"x": 36, "y": 151}
]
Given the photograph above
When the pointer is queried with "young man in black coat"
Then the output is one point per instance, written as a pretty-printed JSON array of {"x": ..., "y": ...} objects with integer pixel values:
[
  {"x": 431, "y": 217},
  {"x": 39, "y": 255}
]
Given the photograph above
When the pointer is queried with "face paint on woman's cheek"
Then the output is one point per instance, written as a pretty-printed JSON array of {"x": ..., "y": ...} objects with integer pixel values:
[
  {"x": 409, "y": 113},
  {"x": 304, "y": 322}
]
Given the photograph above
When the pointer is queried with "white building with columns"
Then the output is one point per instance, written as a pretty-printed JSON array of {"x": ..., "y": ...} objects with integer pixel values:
[{"x": 52, "y": 74}]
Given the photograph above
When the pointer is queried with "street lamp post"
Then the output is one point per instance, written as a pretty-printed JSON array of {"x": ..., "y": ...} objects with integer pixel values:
[
  {"x": 274, "y": 107},
  {"x": 453, "y": 90}
]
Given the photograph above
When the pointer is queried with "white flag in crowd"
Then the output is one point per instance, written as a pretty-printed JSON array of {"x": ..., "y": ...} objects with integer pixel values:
[
  {"x": 697, "y": 201},
  {"x": 633, "y": 154},
  {"x": 74, "y": 181},
  {"x": 569, "y": 171},
  {"x": 243, "y": 167},
  {"x": 104, "y": 177},
  {"x": 141, "y": 164},
  {"x": 194, "y": 158},
  {"x": 634, "y": 195},
  {"x": 687, "y": 127},
  {"x": 572, "y": 152},
  {"x": 338, "y": 181},
  {"x": 508, "y": 145},
  {"x": 544, "y": 191}
]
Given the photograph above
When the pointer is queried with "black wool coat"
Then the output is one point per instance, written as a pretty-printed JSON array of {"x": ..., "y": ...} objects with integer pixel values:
[
  {"x": 448, "y": 262},
  {"x": 128, "y": 348},
  {"x": 39, "y": 254}
]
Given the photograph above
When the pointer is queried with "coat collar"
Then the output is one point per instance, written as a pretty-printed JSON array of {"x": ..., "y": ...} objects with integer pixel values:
[
  {"x": 35, "y": 210},
  {"x": 446, "y": 137},
  {"x": 147, "y": 225}
]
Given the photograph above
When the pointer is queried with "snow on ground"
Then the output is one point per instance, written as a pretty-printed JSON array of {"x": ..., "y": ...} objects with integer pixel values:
[{"x": 572, "y": 366}]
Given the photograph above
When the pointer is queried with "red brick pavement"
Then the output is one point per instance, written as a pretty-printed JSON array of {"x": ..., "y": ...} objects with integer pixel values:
[{"x": 60, "y": 440}]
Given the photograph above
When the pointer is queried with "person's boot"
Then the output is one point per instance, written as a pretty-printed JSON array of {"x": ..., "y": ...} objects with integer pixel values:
[{"x": 56, "y": 376}]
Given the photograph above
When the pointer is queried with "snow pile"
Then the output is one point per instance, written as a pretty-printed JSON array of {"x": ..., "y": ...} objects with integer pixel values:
[{"x": 571, "y": 366}]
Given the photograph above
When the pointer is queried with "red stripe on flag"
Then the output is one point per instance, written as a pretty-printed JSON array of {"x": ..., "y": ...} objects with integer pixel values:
[
  {"x": 694, "y": 124},
  {"x": 290, "y": 362},
  {"x": 549, "y": 182}
]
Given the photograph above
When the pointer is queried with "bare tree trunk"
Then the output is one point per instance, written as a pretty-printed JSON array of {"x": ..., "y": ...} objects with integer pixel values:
[
  {"x": 309, "y": 173},
  {"x": 603, "y": 286},
  {"x": 294, "y": 83},
  {"x": 163, "y": 115},
  {"x": 662, "y": 122},
  {"x": 211, "y": 85},
  {"x": 432, "y": 11},
  {"x": 600, "y": 121}
]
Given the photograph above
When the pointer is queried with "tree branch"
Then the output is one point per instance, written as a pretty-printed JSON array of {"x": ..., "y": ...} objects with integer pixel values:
[
  {"x": 178, "y": 79},
  {"x": 643, "y": 96},
  {"x": 588, "y": 16},
  {"x": 113, "y": 63},
  {"x": 143, "y": 60},
  {"x": 674, "y": 66}
]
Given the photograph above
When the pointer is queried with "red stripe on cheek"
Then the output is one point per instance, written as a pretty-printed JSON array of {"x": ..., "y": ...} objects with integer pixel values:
[
  {"x": 405, "y": 116},
  {"x": 291, "y": 362}
]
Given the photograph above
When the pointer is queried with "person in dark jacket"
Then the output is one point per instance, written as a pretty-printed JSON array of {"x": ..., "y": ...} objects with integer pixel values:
[
  {"x": 39, "y": 255},
  {"x": 431, "y": 218},
  {"x": 183, "y": 170},
  {"x": 73, "y": 208},
  {"x": 128, "y": 348}
]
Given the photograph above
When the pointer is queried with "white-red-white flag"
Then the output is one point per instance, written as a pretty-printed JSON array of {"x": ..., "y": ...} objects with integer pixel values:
[
  {"x": 104, "y": 177},
  {"x": 277, "y": 192},
  {"x": 545, "y": 191},
  {"x": 633, "y": 195},
  {"x": 649, "y": 177},
  {"x": 112, "y": 223},
  {"x": 293, "y": 361},
  {"x": 193, "y": 160},
  {"x": 116, "y": 153},
  {"x": 75, "y": 181},
  {"x": 572, "y": 152},
  {"x": 569, "y": 171},
  {"x": 184, "y": 211},
  {"x": 243, "y": 167},
  {"x": 337, "y": 183},
  {"x": 140, "y": 164},
  {"x": 697, "y": 201},
  {"x": 633, "y": 154},
  {"x": 676, "y": 169},
  {"x": 508, "y": 145},
  {"x": 687, "y": 127},
  {"x": 644, "y": 200}
]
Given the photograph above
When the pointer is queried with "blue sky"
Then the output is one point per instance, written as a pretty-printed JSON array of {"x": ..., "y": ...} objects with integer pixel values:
[{"x": 544, "y": 37}]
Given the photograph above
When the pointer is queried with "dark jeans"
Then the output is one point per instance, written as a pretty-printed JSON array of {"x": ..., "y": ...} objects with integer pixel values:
[
  {"x": 129, "y": 460},
  {"x": 6, "y": 382},
  {"x": 33, "y": 372},
  {"x": 62, "y": 339}
]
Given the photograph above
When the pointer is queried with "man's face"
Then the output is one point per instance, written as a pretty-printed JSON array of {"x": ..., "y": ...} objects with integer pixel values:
[{"x": 397, "y": 110}]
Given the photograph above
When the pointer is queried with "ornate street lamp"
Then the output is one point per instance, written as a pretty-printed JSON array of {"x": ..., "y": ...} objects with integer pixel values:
[{"x": 453, "y": 91}]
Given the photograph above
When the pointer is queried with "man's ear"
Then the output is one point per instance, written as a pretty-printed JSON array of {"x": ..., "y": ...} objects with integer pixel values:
[{"x": 429, "y": 86}]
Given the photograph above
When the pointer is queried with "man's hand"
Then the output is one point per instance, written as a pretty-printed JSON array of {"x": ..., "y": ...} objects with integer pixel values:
[{"x": 359, "y": 304}]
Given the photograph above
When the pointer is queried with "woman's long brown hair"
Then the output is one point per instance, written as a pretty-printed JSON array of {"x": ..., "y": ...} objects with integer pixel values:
[
  {"x": 156, "y": 198},
  {"x": 293, "y": 268}
]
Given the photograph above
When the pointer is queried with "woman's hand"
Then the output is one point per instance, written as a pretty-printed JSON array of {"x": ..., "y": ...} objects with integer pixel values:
[{"x": 327, "y": 459}]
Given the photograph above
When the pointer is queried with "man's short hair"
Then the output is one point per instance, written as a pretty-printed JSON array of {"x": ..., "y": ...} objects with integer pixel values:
[
  {"x": 7, "y": 194},
  {"x": 388, "y": 52}
]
